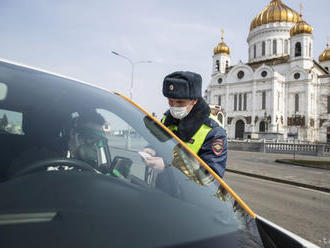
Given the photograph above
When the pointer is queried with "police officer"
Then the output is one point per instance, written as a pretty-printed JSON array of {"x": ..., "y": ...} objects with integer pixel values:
[{"x": 189, "y": 118}]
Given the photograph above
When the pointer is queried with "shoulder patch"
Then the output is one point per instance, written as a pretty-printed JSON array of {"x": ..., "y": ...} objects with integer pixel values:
[{"x": 217, "y": 146}]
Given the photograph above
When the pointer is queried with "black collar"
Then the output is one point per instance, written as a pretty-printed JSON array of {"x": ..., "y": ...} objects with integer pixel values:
[{"x": 189, "y": 125}]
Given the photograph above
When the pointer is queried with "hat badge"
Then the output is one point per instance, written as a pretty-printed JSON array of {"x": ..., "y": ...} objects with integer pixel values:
[{"x": 171, "y": 87}]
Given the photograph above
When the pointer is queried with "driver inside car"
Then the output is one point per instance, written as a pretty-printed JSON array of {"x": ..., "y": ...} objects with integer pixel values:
[{"x": 88, "y": 141}]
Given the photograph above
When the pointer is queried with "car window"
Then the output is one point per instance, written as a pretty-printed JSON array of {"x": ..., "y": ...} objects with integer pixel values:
[
  {"x": 11, "y": 122},
  {"x": 71, "y": 127},
  {"x": 125, "y": 142},
  {"x": 3, "y": 91}
]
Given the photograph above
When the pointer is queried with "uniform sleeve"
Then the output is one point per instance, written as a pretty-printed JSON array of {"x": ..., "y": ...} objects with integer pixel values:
[{"x": 214, "y": 150}]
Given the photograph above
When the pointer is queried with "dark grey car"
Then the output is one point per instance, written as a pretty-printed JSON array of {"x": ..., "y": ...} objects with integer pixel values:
[{"x": 68, "y": 184}]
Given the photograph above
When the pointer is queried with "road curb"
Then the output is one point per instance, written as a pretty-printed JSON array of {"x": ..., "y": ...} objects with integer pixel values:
[
  {"x": 287, "y": 161},
  {"x": 308, "y": 186}
]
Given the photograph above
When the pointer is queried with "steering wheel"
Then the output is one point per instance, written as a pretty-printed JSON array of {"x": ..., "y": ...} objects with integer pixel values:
[{"x": 44, "y": 164}]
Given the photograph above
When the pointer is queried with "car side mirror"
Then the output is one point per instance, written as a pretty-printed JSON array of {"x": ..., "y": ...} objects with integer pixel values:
[
  {"x": 156, "y": 130},
  {"x": 121, "y": 166}
]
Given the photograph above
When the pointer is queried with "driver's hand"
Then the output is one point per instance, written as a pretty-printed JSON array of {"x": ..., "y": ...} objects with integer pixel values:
[{"x": 155, "y": 162}]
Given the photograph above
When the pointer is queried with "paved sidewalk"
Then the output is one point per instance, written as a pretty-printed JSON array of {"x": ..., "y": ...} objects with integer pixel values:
[{"x": 264, "y": 165}]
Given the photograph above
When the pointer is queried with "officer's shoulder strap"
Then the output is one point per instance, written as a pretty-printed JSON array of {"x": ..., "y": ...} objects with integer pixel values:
[{"x": 211, "y": 123}]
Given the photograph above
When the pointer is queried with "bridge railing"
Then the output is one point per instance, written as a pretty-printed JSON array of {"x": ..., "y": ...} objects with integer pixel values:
[{"x": 280, "y": 147}]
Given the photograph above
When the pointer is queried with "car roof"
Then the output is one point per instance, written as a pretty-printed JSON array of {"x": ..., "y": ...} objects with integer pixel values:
[{"x": 23, "y": 66}]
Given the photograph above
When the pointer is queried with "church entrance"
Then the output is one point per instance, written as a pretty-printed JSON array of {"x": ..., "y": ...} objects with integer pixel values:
[
  {"x": 262, "y": 126},
  {"x": 239, "y": 129}
]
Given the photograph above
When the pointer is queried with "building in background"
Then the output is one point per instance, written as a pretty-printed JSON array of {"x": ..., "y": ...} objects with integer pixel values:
[{"x": 281, "y": 92}]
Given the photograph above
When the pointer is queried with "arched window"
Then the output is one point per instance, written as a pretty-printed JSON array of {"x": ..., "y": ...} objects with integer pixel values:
[
  {"x": 263, "y": 100},
  {"x": 262, "y": 126},
  {"x": 220, "y": 118},
  {"x": 274, "y": 47},
  {"x": 239, "y": 129},
  {"x": 240, "y": 102},
  {"x": 235, "y": 102},
  {"x": 254, "y": 51},
  {"x": 219, "y": 100},
  {"x": 217, "y": 66},
  {"x": 263, "y": 48},
  {"x": 310, "y": 49},
  {"x": 297, "y": 50},
  {"x": 286, "y": 46},
  {"x": 227, "y": 64},
  {"x": 296, "y": 103}
]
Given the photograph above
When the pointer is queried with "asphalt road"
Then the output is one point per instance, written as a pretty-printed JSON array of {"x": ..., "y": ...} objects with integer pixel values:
[{"x": 302, "y": 211}]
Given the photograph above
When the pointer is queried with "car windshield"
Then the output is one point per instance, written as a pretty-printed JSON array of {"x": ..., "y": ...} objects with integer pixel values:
[{"x": 50, "y": 124}]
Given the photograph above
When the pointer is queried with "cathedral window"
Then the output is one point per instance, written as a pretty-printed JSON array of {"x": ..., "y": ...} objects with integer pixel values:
[
  {"x": 286, "y": 46},
  {"x": 240, "y": 102},
  {"x": 263, "y": 102},
  {"x": 240, "y": 74},
  {"x": 296, "y": 75},
  {"x": 264, "y": 73},
  {"x": 219, "y": 100},
  {"x": 328, "y": 104},
  {"x": 227, "y": 64},
  {"x": 296, "y": 103},
  {"x": 220, "y": 80},
  {"x": 262, "y": 126},
  {"x": 297, "y": 50},
  {"x": 235, "y": 102},
  {"x": 245, "y": 101},
  {"x": 274, "y": 47},
  {"x": 310, "y": 49},
  {"x": 217, "y": 65},
  {"x": 254, "y": 51},
  {"x": 327, "y": 68},
  {"x": 263, "y": 48}
]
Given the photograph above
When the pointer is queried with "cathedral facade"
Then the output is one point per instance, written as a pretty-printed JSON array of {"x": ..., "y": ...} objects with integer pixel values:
[{"x": 282, "y": 92}]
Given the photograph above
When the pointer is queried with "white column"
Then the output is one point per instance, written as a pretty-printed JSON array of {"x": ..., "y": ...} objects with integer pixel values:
[
  {"x": 254, "y": 86},
  {"x": 272, "y": 106}
]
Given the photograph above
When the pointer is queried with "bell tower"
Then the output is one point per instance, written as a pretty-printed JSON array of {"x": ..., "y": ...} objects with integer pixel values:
[
  {"x": 221, "y": 57},
  {"x": 301, "y": 44}
]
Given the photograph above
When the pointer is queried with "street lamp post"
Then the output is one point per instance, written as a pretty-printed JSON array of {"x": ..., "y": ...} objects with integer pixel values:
[{"x": 132, "y": 63}]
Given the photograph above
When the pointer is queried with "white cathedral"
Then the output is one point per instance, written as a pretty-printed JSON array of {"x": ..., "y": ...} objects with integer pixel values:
[{"x": 281, "y": 92}]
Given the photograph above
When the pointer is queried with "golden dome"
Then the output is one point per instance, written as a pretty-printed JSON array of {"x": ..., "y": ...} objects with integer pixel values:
[
  {"x": 325, "y": 56},
  {"x": 301, "y": 27},
  {"x": 276, "y": 11},
  {"x": 221, "y": 48}
]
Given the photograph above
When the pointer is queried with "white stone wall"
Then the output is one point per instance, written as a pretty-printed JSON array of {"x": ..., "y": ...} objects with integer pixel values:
[
  {"x": 280, "y": 85},
  {"x": 223, "y": 58},
  {"x": 268, "y": 33},
  {"x": 306, "y": 59}
]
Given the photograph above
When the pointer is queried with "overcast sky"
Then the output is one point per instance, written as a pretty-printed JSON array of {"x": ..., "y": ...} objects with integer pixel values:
[{"x": 75, "y": 38}]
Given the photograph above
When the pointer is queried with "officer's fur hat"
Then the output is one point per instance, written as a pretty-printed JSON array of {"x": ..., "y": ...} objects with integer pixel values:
[{"x": 182, "y": 85}]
